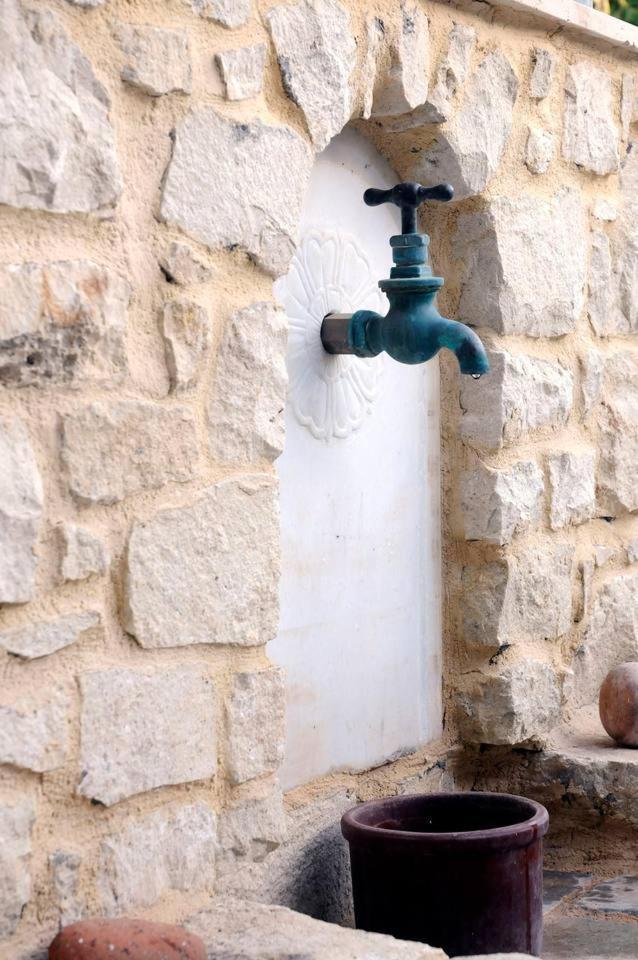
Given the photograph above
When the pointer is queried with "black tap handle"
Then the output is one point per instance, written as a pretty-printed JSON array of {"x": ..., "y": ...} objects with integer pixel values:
[{"x": 408, "y": 196}]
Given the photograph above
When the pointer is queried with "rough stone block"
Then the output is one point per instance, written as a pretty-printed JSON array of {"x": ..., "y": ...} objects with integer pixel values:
[
  {"x": 506, "y": 247},
  {"x": 248, "y": 396},
  {"x": 405, "y": 85},
  {"x": 602, "y": 209},
  {"x": 590, "y": 136},
  {"x": 542, "y": 73},
  {"x": 242, "y": 71},
  {"x": 207, "y": 573},
  {"x": 249, "y": 832},
  {"x": 632, "y": 551},
  {"x": 497, "y": 504},
  {"x": 374, "y": 43},
  {"x": 316, "y": 52},
  {"x": 21, "y": 499},
  {"x": 186, "y": 332},
  {"x": 256, "y": 724},
  {"x": 34, "y": 737},
  {"x": 628, "y": 104},
  {"x": 169, "y": 735},
  {"x": 539, "y": 150},
  {"x": 521, "y": 395},
  {"x": 83, "y": 554},
  {"x": 65, "y": 874},
  {"x": 232, "y": 208},
  {"x": 62, "y": 324},
  {"x": 113, "y": 450},
  {"x": 16, "y": 821},
  {"x": 155, "y": 61},
  {"x": 171, "y": 849},
  {"x": 180, "y": 264},
  {"x": 450, "y": 75},
  {"x": 42, "y": 639},
  {"x": 591, "y": 381},
  {"x": 230, "y": 13},
  {"x": 618, "y": 435},
  {"x": 58, "y": 148},
  {"x": 572, "y": 478}
]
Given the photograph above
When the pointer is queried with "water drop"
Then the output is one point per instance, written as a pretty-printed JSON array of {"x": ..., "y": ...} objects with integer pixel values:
[{"x": 476, "y": 376}]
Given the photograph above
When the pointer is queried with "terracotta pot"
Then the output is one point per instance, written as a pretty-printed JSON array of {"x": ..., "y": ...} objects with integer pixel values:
[{"x": 618, "y": 704}]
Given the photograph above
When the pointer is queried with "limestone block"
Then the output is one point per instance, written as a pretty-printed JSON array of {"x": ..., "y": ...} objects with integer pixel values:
[
  {"x": 65, "y": 873},
  {"x": 16, "y": 821},
  {"x": 34, "y": 736},
  {"x": 207, "y": 573},
  {"x": 58, "y": 149},
  {"x": 592, "y": 380},
  {"x": 405, "y": 85},
  {"x": 20, "y": 512},
  {"x": 232, "y": 208},
  {"x": 468, "y": 150},
  {"x": 542, "y": 73},
  {"x": 632, "y": 551},
  {"x": 316, "y": 52},
  {"x": 519, "y": 704},
  {"x": 602, "y": 209},
  {"x": 248, "y": 395},
  {"x": 62, "y": 324},
  {"x": 112, "y": 450},
  {"x": 83, "y": 554},
  {"x": 242, "y": 930},
  {"x": 539, "y": 150},
  {"x": 180, "y": 264},
  {"x": 618, "y": 435},
  {"x": 374, "y": 41},
  {"x": 242, "y": 71},
  {"x": 42, "y": 639},
  {"x": 155, "y": 61},
  {"x": 521, "y": 395},
  {"x": 451, "y": 74},
  {"x": 256, "y": 724},
  {"x": 252, "y": 830},
  {"x": 572, "y": 478},
  {"x": 497, "y": 504},
  {"x": 628, "y": 104},
  {"x": 601, "y": 285},
  {"x": 171, "y": 849},
  {"x": 168, "y": 735},
  {"x": 526, "y": 597},
  {"x": 230, "y": 13},
  {"x": 506, "y": 247},
  {"x": 186, "y": 332},
  {"x": 590, "y": 136}
]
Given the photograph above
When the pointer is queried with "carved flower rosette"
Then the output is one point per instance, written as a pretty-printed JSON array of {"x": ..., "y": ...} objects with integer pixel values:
[{"x": 330, "y": 395}]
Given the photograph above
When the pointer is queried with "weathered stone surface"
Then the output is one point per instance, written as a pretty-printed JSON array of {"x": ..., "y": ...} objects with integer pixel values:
[
  {"x": 83, "y": 554},
  {"x": 375, "y": 36},
  {"x": 618, "y": 436},
  {"x": 207, "y": 573},
  {"x": 121, "y": 939},
  {"x": 58, "y": 150},
  {"x": 62, "y": 324},
  {"x": 451, "y": 74},
  {"x": 241, "y": 930},
  {"x": 632, "y": 551},
  {"x": 169, "y": 735},
  {"x": 602, "y": 293},
  {"x": 542, "y": 73},
  {"x": 111, "y": 450},
  {"x": 405, "y": 85},
  {"x": 155, "y": 61},
  {"x": 519, "y": 704},
  {"x": 572, "y": 478},
  {"x": 316, "y": 52},
  {"x": 87, "y": 3},
  {"x": 242, "y": 71},
  {"x": 16, "y": 821},
  {"x": 180, "y": 264},
  {"x": 590, "y": 136},
  {"x": 468, "y": 151},
  {"x": 256, "y": 724},
  {"x": 602, "y": 209},
  {"x": 251, "y": 831},
  {"x": 186, "y": 332},
  {"x": 505, "y": 248},
  {"x": 248, "y": 395},
  {"x": 230, "y": 13},
  {"x": 617, "y": 895},
  {"x": 602, "y": 554},
  {"x": 497, "y": 504},
  {"x": 41, "y": 639},
  {"x": 65, "y": 874},
  {"x": 20, "y": 512},
  {"x": 172, "y": 848},
  {"x": 521, "y": 394},
  {"x": 539, "y": 150},
  {"x": 628, "y": 104},
  {"x": 34, "y": 737},
  {"x": 527, "y": 597},
  {"x": 592, "y": 380},
  {"x": 232, "y": 208},
  {"x": 558, "y": 884}
]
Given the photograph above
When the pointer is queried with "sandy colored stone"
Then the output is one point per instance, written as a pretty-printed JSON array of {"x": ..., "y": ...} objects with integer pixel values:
[
  {"x": 83, "y": 554},
  {"x": 632, "y": 551},
  {"x": 539, "y": 150},
  {"x": 590, "y": 136},
  {"x": 169, "y": 735},
  {"x": 180, "y": 264},
  {"x": 112, "y": 450},
  {"x": 207, "y": 573},
  {"x": 16, "y": 821},
  {"x": 122, "y": 939},
  {"x": 171, "y": 849},
  {"x": 33, "y": 736},
  {"x": 230, "y": 13},
  {"x": 316, "y": 50},
  {"x": 628, "y": 103},
  {"x": 242, "y": 71},
  {"x": 374, "y": 41},
  {"x": 65, "y": 874},
  {"x": 62, "y": 324},
  {"x": 572, "y": 478},
  {"x": 232, "y": 208},
  {"x": 186, "y": 332},
  {"x": 252, "y": 830},
  {"x": 58, "y": 149},
  {"x": 405, "y": 85},
  {"x": 248, "y": 395},
  {"x": 603, "y": 209},
  {"x": 21, "y": 499},
  {"x": 543, "y": 63},
  {"x": 41, "y": 639},
  {"x": 155, "y": 61},
  {"x": 591, "y": 380},
  {"x": 256, "y": 724},
  {"x": 497, "y": 504},
  {"x": 618, "y": 435},
  {"x": 449, "y": 78},
  {"x": 603, "y": 554}
]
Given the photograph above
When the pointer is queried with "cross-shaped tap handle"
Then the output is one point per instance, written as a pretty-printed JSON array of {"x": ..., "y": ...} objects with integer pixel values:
[{"x": 408, "y": 196}]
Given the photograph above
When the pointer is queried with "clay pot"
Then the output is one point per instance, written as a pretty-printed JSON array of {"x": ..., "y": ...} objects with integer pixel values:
[
  {"x": 123, "y": 939},
  {"x": 618, "y": 704}
]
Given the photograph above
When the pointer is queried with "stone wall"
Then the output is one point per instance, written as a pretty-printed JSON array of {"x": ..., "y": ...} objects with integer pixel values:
[{"x": 153, "y": 162}]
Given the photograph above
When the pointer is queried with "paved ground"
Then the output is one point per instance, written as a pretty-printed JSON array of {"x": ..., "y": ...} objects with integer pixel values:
[{"x": 588, "y": 919}]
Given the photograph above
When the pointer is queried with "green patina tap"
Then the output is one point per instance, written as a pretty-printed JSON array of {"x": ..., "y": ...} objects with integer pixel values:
[{"x": 413, "y": 330}]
